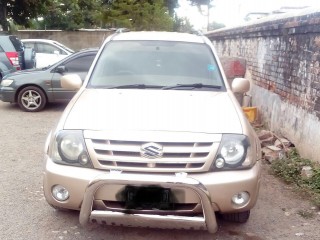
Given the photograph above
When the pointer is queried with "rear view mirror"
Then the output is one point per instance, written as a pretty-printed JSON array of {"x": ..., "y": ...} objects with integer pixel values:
[{"x": 71, "y": 82}]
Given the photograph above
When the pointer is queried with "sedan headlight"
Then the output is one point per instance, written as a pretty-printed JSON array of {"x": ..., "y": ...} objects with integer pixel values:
[
  {"x": 232, "y": 151},
  {"x": 69, "y": 148},
  {"x": 6, "y": 82}
]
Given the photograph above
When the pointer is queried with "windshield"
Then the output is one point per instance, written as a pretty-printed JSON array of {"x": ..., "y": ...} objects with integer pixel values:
[{"x": 155, "y": 63}]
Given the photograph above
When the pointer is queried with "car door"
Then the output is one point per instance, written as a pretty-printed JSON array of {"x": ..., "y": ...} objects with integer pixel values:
[
  {"x": 47, "y": 54},
  {"x": 80, "y": 65}
]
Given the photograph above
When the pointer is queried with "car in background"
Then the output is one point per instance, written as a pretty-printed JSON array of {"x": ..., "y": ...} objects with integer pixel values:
[
  {"x": 19, "y": 56},
  {"x": 48, "y": 52},
  {"x": 33, "y": 89}
]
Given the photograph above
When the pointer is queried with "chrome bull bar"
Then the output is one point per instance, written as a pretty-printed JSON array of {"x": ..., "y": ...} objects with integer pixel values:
[{"x": 207, "y": 221}]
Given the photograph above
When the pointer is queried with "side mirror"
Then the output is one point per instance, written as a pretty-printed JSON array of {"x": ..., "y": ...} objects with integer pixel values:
[
  {"x": 61, "y": 69},
  {"x": 71, "y": 82},
  {"x": 240, "y": 85},
  {"x": 56, "y": 52}
]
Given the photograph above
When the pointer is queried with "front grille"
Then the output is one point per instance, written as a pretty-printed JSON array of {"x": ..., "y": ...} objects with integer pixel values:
[
  {"x": 117, "y": 154},
  {"x": 125, "y": 153}
]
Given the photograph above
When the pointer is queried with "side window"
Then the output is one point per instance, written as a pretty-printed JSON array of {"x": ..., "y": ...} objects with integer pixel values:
[
  {"x": 1, "y": 49},
  {"x": 62, "y": 52},
  {"x": 80, "y": 64},
  {"x": 18, "y": 45},
  {"x": 46, "y": 48},
  {"x": 29, "y": 45}
]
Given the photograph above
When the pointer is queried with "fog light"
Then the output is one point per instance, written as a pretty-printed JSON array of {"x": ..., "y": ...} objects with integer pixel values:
[
  {"x": 60, "y": 193},
  {"x": 241, "y": 198},
  {"x": 83, "y": 160},
  {"x": 220, "y": 163}
]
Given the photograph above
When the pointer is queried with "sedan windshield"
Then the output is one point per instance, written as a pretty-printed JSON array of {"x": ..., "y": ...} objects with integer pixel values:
[{"x": 156, "y": 63}]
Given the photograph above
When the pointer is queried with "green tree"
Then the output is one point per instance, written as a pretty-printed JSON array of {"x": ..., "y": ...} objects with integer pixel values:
[
  {"x": 75, "y": 14},
  {"x": 72, "y": 14},
  {"x": 182, "y": 25},
  {"x": 200, "y": 3},
  {"x": 139, "y": 15},
  {"x": 20, "y": 11},
  {"x": 133, "y": 14},
  {"x": 171, "y": 5}
]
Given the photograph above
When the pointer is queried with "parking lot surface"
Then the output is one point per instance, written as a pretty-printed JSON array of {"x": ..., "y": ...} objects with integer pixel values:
[{"x": 279, "y": 214}]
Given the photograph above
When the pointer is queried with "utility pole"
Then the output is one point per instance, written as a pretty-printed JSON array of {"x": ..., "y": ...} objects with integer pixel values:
[
  {"x": 208, "y": 16},
  {"x": 209, "y": 6}
]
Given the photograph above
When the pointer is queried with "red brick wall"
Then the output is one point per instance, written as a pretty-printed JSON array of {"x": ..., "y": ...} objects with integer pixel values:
[{"x": 282, "y": 55}]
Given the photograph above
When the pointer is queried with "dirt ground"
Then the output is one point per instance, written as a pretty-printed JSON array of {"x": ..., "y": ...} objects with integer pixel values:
[{"x": 280, "y": 213}]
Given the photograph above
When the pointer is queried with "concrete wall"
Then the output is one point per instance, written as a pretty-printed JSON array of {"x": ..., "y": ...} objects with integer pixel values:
[
  {"x": 74, "y": 39},
  {"x": 283, "y": 58}
]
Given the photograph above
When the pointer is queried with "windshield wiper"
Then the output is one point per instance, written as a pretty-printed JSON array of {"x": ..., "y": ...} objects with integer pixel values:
[
  {"x": 138, "y": 86},
  {"x": 194, "y": 85}
]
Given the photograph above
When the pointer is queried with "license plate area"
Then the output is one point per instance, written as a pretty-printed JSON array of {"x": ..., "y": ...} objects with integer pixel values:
[{"x": 148, "y": 198}]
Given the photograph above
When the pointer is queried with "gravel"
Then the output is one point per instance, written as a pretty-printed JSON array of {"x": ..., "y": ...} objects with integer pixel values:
[{"x": 26, "y": 215}]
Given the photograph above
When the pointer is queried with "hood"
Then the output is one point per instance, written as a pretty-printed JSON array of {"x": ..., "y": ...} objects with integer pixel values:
[
  {"x": 24, "y": 72},
  {"x": 154, "y": 110}
]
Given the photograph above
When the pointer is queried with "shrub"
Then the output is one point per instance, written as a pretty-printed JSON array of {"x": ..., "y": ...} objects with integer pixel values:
[{"x": 289, "y": 170}]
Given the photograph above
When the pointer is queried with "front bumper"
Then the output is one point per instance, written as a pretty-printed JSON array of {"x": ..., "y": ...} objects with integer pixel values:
[
  {"x": 212, "y": 191},
  {"x": 7, "y": 94},
  {"x": 208, "y": 221}
]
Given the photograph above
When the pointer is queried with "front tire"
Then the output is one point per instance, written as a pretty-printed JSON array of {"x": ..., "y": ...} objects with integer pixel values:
[
  {"x": 31, "y": 99},
  {"x": 238, "y": 217}
]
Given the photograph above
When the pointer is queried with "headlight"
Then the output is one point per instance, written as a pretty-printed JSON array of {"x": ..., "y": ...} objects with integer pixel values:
[
  {"x": 232, "y": 151},
  {"x": 6, "y": 82},
  {"x": 69, "y": 148}
]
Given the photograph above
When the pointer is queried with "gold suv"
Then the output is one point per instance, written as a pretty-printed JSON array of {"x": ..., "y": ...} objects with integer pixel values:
[{"x": 154, "y": 137}]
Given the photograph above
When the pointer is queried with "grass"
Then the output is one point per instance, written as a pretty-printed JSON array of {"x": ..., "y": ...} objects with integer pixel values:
[
  {"x": 306, "y": 214},
  {"x": 289, "y": 170}
]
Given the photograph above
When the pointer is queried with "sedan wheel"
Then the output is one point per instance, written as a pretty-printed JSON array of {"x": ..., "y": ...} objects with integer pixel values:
[{"x": 31, "y": 99}]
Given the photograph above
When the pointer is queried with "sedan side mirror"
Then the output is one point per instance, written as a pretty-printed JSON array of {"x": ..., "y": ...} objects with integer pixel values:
[
  {"x": 61, "y": 69},
  {"x": 240, "y": 85},
  {"x": 71, "y": 82},
  {"x": 56, "y": 52}
]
